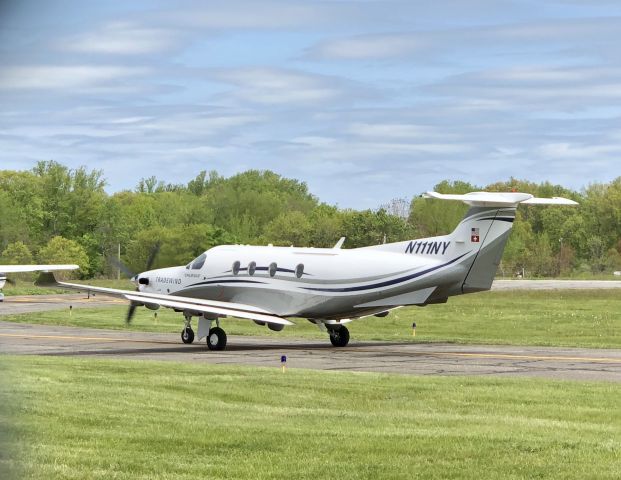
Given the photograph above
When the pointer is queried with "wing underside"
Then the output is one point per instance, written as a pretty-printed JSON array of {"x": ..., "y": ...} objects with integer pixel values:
[{"x": 194, "y": 306}]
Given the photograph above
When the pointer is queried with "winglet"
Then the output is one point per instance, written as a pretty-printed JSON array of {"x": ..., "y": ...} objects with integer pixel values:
[{"x": 339, "y": 244}]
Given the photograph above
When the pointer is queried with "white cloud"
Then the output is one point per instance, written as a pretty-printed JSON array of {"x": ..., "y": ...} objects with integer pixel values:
[
  {"x": 550, "y": 35},
  {"x": 395, "y": 131},
  {"x": 535, "y": 88},
  {"x": 274, "y": 86},
  {"x": 198, "y": 123},
  {"x": 43, "y": 77},
  {"x": 123, "y": 38},
  {"x": 577, "y": 151},
  {"x": 237, "y": 14},
  {"x": 375, "y": 46}
]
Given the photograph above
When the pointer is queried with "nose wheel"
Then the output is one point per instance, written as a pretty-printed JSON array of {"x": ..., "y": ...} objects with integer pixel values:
[
  {"x": 339, "y": 337},
  {"x": 187, "y": 335},
  {"x": 216, "y": 340}
]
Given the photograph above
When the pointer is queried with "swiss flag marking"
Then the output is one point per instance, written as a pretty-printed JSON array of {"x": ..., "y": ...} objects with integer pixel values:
[{"x": 474, "y": 235}]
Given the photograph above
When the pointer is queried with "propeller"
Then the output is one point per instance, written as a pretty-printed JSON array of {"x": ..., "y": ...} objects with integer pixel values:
[
  {"x": 127, "y": 271},
  {"x": 130, "y": 313},
  {"x": 153, "y": 255}
]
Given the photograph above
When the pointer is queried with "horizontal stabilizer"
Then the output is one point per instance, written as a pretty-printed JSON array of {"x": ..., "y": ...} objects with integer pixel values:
[
  {"x": 549, "y": 201},
  {"x": 499, "y": 199}
]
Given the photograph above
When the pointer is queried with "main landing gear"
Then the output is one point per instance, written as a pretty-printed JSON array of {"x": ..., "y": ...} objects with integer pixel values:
[
  {"x": 216, "y": 340},
  {"x": 216, "y": 337},
  {"x": 339, "y": 335}
]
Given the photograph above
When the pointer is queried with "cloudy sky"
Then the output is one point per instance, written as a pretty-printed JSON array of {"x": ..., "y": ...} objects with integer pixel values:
[{"x": 364, "y": 100}]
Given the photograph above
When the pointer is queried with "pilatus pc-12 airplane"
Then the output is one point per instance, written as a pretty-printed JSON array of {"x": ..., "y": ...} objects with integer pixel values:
[
  {"x": 330, "y": 286},
  {"x": 8, "y": 269}
]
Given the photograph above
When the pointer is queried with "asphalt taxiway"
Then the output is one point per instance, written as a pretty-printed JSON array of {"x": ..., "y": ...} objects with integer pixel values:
[
  {"x": 402, "y": 358},
  {"x": 16, "y": 305}
]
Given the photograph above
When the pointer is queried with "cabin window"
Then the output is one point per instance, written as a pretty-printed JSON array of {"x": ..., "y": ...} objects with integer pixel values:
[
  {"x": 198, "y": 263},
  {"x": 299, "y": 270},
  {"x": 252, "y": 266},
  {"x": 273, "y": 269},
  {"x": 236, "y": 266}
]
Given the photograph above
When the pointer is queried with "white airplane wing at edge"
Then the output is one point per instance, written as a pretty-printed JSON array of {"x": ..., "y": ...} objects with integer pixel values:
[
  {"x": 35, "y": 268},
  {"x": 197, "y": 305}
]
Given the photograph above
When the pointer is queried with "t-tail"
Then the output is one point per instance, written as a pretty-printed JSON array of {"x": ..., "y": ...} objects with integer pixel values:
[{"x": 478, "y": 242}]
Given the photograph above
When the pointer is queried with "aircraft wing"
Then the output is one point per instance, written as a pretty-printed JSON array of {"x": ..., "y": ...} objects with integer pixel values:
[
  {"x": 35, "y": 268},
  {"x": 197, "y": 306}
]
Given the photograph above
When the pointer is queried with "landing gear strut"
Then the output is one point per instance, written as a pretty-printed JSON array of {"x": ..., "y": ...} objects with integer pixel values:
[
  {"x": 216, "y": 340},
  {"x": 339, "y": 336}
]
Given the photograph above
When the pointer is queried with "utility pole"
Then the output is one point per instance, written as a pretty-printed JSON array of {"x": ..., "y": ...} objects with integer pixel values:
[
  {"x": 560, "y": 257},
  {"x": 118, "y": 268}
]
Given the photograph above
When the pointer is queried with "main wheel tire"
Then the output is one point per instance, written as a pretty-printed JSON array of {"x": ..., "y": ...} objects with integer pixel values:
[
  {"x": 187, "y": 335},
  {"x": 339, "y": 337},
  {"x": 216, "y": 340}
]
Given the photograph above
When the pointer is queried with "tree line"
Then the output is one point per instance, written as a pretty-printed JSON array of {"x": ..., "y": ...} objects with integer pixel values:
[{"x": 54, "y": 214}]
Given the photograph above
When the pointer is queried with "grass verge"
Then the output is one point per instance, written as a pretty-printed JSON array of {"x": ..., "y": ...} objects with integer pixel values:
[
  {"x": 25, "y": 287},
  {"x": 86, "y": 418},
  {"x": 589, "y": 318}
]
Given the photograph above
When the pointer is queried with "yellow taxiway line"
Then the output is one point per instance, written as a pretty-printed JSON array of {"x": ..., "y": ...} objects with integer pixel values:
[{"x": 504, "y": 356}]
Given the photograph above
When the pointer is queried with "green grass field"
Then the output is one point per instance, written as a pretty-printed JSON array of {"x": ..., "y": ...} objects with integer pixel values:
[
  {"x": 563, "y": 318},
  {"x": 23, "y": 287},
  {"x": 83, "y": 418}
]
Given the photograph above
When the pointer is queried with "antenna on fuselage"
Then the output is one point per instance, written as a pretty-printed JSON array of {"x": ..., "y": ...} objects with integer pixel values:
[{"x": 340, "y": 243}]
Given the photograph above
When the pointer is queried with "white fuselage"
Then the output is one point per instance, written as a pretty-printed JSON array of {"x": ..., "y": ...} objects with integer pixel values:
[{"x": 289, "y": 281}]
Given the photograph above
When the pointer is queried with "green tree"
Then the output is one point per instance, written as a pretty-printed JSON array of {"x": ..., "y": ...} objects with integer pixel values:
[
  {"x": 61, "y": 250},
  {"x": 326, "y": 226},
  {"x": 16, "y": 253},
  {"x": 368, "y": 227},
  {"x": 431, "y": 217},
  {"x": 246, "y": 203},
  {"x": 289, "y": 228},
  {"x": 177, "y": 246}
]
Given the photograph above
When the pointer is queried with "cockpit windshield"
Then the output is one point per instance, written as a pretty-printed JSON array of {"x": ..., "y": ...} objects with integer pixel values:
[{"x": 198, "y": 263}]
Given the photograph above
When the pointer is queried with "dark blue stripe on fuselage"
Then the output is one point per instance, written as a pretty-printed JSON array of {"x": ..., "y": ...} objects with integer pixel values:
[
  {"x": 387, "y": 283},
  {"x": 502, "y": 219}
]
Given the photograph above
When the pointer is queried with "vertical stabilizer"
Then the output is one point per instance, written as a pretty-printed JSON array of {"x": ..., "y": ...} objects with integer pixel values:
[{"x": 486, "y": 230}]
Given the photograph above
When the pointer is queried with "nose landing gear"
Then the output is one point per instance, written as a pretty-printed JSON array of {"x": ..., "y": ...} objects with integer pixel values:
[{"x": 187, "y": 335}]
